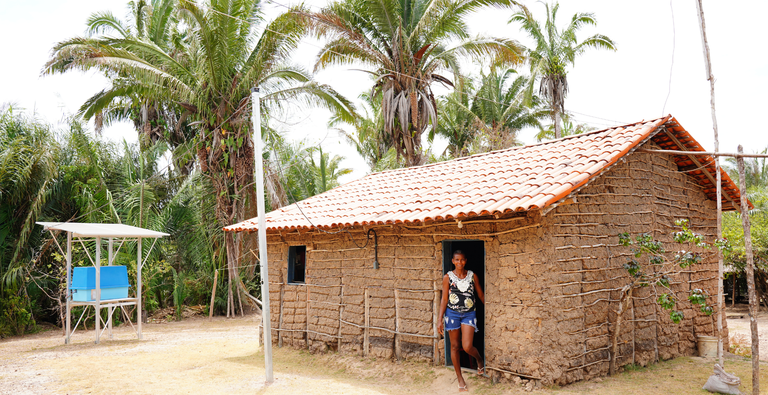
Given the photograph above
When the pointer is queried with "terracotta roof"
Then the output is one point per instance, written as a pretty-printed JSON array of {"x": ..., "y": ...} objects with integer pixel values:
[{"x": 495, "y": 183}]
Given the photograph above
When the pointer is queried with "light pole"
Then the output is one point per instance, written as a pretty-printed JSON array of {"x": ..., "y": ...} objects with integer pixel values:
[{"x": 259, "y": 160}]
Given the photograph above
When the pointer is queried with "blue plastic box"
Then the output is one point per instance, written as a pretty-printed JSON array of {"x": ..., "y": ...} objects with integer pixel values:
[{"x": 114, "y": 283}]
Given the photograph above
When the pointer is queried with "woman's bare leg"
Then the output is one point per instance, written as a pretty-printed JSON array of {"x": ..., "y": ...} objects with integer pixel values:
[
  {"x": 467, "y": 337},
  {"x": 455, "y": 359}
]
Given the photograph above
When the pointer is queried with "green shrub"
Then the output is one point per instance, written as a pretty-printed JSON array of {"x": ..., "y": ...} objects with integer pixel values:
[{"x": 16, "y": 316}]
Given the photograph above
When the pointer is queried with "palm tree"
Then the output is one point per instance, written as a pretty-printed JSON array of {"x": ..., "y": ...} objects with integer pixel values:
[
  {"x": 327, "y": 170},
  {"x": 488, "y": 117},
  {"x": 293, "y": 173},
  {"x": 27, "y": 171},
  {"x": 407, "y": 44},
  {"x": 569, "y": 128},
  {"x": 555, "y": 50},
  {"x": 155, "y": 120},
  {"x": 214, "y": 60},
  {"x": 456, "y": 122},
  {"x": 368, "y": 136}
]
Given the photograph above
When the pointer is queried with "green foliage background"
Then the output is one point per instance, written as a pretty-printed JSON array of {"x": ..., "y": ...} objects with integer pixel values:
[{"x": 72, "y": 175}]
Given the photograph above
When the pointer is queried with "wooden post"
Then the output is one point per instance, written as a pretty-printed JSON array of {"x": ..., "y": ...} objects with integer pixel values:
[
  {"x": 753, "y": 306},
  {"x": 230, "y": 301},
  {"x": 294, "y": 335},
  {"x": 341, "y": 314},
  {"x": 97, "y": 306},
  {"x": 435, "y": 311},
  {"x": 397, "y": 327},
  {"x": 280, "y": 317},
  {"x": 213, "y": 293},
  {"x": 306, "y": 334},
  {"x": 634, "y": 325},
  {"x": 735, "y": 290},
  {"x": 366, "y": 340},
  {"x": 719, "y": 186}
]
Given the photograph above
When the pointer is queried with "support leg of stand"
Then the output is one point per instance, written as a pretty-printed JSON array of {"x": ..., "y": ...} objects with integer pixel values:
[
  {"x": 67, "y": 292},
  {"x": 110, "y": 310}
]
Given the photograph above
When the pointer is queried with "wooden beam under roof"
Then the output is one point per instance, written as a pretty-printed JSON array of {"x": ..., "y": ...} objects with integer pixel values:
[{"x": 698, "y": 163}]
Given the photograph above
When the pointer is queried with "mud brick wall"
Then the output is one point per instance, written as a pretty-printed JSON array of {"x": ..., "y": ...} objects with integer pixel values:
[
  {"x": 644, "y": 193},
  {"x": 328, "y": 311},
  {"x": 552, "y": 283}
]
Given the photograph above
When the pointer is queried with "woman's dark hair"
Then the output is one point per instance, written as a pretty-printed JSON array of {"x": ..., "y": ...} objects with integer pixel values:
[{"x": 457, "y": 252}]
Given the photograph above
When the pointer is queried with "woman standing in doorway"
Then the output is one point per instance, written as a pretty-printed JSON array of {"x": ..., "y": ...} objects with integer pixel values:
[{"x": 461, "y": 288}]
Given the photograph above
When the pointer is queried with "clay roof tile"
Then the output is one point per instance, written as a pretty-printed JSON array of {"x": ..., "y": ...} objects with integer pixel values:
[{"x": 515, "y": 179}]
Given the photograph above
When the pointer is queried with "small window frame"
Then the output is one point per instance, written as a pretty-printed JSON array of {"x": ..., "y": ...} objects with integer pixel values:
[{"x": 297, "y": 272}]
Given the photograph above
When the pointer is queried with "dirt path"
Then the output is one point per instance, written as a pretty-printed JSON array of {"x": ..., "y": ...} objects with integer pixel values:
[
  {"x": 222, "y": 356},
  {"x": 196, "y": 355},
  {"x": 738, "y": 328}
]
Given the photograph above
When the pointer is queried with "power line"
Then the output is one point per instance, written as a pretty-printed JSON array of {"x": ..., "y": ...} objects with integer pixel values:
[
  {"x": 672, "y": 65},
  {"x": 296, "y": 203}
]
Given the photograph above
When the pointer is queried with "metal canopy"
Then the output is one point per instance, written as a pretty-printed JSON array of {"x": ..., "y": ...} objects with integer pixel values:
[
  {"x": 100, "y": 233},
  {"x": 101, "y": 230}
]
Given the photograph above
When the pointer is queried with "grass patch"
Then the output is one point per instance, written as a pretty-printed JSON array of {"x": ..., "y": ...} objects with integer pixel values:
[
  {"x": 633, "y": 368},
  {"x": 684, "y": 376}
]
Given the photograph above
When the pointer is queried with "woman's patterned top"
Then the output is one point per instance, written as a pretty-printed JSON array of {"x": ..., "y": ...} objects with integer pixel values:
[{"x": 461, "y": 293}]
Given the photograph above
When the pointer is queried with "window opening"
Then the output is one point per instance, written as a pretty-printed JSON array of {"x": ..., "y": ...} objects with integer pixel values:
[{"x": 297, "y": 259}]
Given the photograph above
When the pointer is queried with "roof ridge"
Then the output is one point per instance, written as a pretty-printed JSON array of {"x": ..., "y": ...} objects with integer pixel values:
[
  {"x": 541, "y": 143},
  {"x": 499, "y": 182}
]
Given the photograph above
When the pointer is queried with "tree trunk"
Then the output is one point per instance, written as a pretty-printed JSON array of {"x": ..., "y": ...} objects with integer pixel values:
[
  {"x": 236, "y": 266},
  {"x": 556, "y": 120},
  {"x": 232, "y": 269},
  {"x": 753, "y": 306},
  {"x": 213, "y": 292}
]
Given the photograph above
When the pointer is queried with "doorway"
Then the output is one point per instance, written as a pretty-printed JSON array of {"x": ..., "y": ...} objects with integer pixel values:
[{"x": 474, "y": 251}]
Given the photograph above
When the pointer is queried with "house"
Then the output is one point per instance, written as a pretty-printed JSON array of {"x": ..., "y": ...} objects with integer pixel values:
[{"x": 358, "y": 269}]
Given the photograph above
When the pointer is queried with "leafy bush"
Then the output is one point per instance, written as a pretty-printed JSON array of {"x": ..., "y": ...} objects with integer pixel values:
[{"x": 16, "y": 316}]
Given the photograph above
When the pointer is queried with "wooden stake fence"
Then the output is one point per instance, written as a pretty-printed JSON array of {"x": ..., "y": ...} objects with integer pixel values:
[{"x": 397, "y": 333}]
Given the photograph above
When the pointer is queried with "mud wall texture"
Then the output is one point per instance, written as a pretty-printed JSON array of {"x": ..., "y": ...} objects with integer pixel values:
[
  {"x": 400, "y": 310},
  {"x": 645, "y": 193},
  {"x": 552, "y": 282}
]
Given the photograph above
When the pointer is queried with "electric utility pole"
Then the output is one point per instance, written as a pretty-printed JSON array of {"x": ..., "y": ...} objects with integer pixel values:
[{"x": 263, "y": 262}]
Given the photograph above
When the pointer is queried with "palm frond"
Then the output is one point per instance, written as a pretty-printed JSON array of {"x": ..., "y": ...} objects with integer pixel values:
[{"x": 104, "y": 23}]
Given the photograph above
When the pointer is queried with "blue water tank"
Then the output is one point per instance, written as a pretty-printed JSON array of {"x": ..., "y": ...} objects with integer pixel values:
[{"x": 114, "y": 283}]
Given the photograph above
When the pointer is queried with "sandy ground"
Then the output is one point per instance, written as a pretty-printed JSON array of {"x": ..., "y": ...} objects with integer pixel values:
[
  {"x": 219, "y": 356},
  {"x": 738, "y": 327},
  {"x": 222, "y": 356}
]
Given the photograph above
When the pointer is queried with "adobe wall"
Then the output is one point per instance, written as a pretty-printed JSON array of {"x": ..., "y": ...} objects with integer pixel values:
[
  {"x": 644, "y": 193},
  {"x": 403, "y": 294},
  {"x": 338, "y": 277},
  {"x": 551, "y": 282}
]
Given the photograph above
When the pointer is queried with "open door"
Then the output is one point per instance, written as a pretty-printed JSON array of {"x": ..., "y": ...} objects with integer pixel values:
[{"x": 474, "y": 250}]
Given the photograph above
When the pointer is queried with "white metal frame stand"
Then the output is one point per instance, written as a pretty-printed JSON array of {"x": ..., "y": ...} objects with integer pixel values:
[{"x": 87, "y": 232}]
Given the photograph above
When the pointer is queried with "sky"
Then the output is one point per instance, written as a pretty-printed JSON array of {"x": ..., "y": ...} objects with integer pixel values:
[{"x": 658, "y": 68}]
